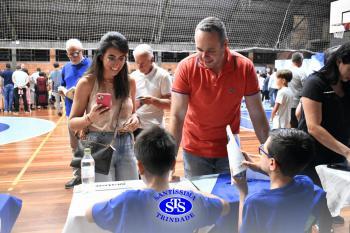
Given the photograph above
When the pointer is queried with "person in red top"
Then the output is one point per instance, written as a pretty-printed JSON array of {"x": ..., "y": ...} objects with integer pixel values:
[{"x": 207, "y": 93}]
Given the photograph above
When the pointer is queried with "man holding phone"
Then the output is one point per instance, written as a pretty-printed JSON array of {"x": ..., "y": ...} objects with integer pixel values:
[
  {"x": 71, "y": 73},
  {"x": 153, "y": 88}
]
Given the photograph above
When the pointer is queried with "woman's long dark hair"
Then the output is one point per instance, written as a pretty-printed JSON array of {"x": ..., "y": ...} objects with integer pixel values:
[
  {"x": 330, "y": 71},
  {"x": 121, "y": 81}
]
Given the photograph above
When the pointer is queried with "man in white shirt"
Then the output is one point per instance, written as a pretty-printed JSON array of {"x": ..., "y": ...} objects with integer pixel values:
[
  {"x": 153, "y": 88},
  {"x": 20, "y": 80},
  {"x": 296, "y": 85}
]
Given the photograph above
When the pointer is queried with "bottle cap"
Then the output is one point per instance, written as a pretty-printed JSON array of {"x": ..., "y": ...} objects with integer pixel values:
[{"x": 87, "y": 151}]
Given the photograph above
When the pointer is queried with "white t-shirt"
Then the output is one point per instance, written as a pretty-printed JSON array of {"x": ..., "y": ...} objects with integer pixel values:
[
  {"x": 157, "y": 83},
  {"x": 272, "y": 81},
  {"x": 20, "y": 78},
  {"x": 282, "y": 117}
]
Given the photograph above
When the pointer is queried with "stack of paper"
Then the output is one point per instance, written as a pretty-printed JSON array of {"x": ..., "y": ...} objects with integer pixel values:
[{"x": 235, "y": 155}]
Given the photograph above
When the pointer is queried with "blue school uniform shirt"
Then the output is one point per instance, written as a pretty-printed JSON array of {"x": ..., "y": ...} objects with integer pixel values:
[
  {"x": 141, "y": 211},
  {"x": 70, "y": 76},
  {"x": 285, "y": 209}
]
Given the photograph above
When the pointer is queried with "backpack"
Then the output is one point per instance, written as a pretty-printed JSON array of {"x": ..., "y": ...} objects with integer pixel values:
[{"x": 41, "y": 83}]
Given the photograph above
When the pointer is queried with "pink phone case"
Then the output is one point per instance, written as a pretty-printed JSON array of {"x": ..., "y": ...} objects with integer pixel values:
[{"x": 105, "y": 99}]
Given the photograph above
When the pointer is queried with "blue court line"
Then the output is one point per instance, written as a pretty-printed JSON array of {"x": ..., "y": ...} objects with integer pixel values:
[
  {"x": 4, "y": 127},
  {"x": 23, "y": 128}
]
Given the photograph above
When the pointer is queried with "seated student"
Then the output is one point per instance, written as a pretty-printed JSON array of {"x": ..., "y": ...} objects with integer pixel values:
[
  {"x": 157, "y": 208},
  {"x": 291, "y": 200},
  {"x": 280, "y": 115}
]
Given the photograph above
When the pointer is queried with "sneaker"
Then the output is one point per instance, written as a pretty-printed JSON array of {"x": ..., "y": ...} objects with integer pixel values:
[{"x": 75, "y": 181}]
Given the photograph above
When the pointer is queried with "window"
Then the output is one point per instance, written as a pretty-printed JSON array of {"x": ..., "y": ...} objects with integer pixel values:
[
  {"x": 244, "y": 54},
  {"x": 173, "y": 56},
  {"x": 131, "y": 56},
  {"x": 264, "y": 58},
  {"x": 5, "y": 55},
  {"x": 33, "y": 55}
]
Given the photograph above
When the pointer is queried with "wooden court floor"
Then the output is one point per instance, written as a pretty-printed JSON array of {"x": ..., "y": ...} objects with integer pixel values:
[{"x": 35, "y": 170}]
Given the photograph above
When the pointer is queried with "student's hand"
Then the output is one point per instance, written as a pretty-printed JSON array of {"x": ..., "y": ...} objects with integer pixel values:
[
  {"x": 96, "y": 112},
  {"x": 252, "y": 161},
  {"x": 131, "y": 124},
  {"x": 241, "y": 184}
]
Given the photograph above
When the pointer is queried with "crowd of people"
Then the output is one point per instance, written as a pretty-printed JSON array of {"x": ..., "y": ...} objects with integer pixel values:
[
  {"x": 310, "y": 120},
  {"x": 30, "y": 92}
]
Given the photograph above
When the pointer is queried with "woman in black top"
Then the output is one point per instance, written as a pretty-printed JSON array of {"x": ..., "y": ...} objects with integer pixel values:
[{"x": 326, "y": 111}]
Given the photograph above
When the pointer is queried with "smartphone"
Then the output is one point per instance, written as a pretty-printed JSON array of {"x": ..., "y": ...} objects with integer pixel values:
[
  {"x": 105, "y": 99},
  {"x": 339, "y": 166}
]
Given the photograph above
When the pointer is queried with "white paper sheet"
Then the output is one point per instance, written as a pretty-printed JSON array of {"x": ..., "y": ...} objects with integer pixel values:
[{"x": 235, "y": 155}]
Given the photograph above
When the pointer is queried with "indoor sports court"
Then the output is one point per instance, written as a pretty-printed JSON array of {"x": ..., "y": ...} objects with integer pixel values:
[{"x": 35, "y": 146}]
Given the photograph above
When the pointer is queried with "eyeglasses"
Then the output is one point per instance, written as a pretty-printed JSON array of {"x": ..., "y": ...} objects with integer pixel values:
[
  {"x": 74, "y": 54},
  {"x": 262, "y": 151},
  {"x": 116, "y": 60}
]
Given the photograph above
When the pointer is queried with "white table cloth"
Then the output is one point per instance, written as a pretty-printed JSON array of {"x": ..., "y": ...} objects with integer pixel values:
[
  {"x": 76, "y": 221},
  {"x": 337, "y": 185}
]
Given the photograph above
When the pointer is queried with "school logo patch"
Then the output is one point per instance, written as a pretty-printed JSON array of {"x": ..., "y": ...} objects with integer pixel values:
[{"x": 175, "y": 206}]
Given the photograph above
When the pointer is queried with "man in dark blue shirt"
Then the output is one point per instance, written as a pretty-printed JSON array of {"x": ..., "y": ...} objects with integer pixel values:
[{"x": 8, "y": 88}]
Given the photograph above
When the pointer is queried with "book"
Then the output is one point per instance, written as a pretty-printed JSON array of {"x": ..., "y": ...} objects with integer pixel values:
[{"x": 67, "y": 93}]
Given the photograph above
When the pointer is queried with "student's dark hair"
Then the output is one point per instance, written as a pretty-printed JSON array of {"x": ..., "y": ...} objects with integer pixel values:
[
  {"x": 8, "y": 65},
  {"x": 155, "y": 149},
  {"x": 121, "y": 81},
  {"x": 38, "y": 69},
  {"x": 56, "y": 65},
  {"x": 330, "y": 71},
  {"x": 285, "y": 74},
  {"x": 293, "y": 149},
  {"x": 43, "y": 74}
]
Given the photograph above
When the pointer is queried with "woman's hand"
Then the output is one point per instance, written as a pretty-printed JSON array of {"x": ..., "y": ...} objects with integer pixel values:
[
  {"x": 347, "y": 156},
  {"x": 96, "y": 112},
  {"x": 131, "y": 124}
]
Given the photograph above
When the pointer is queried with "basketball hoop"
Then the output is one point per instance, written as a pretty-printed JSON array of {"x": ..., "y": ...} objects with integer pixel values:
[
  {"x": 338, "y": 35},
  {"x": 341, "y": 28}
]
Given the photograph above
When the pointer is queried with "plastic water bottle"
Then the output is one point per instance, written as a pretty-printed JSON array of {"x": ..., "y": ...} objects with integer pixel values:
[{"x": 88, "y": 171}]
